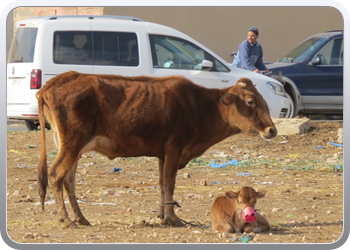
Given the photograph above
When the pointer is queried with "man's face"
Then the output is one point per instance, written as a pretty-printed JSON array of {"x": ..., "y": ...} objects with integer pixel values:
[{"x": 252, "y": 37}]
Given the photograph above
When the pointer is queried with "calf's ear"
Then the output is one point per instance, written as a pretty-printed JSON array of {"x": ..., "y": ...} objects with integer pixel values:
[
  {"x": 261, "y": 193},
  {"x": 231, "y": 195},
  {"x": 228, "y": 99}
]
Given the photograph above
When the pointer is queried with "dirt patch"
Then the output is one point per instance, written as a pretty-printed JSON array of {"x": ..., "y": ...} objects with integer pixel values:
[{"x": 302, "y": 174}]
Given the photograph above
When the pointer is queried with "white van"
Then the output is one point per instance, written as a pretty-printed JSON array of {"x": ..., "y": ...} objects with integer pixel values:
[{"x": 46, "y": 46}]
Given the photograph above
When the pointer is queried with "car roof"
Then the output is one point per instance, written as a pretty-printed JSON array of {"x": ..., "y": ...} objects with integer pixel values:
[
  {"x": 85, "y": 17},
  {"x": 329, "y": 33},
  {"x": 37, "y": 20}
]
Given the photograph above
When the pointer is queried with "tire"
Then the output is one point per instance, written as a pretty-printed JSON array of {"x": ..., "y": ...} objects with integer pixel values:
[
  {"x": 291, "y": 112},
  {"x": 31, "y": 125},
  {"x": 47, "y": 126}
]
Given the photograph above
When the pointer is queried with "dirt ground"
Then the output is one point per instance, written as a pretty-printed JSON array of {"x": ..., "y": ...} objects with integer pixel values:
[{"x": 303, "y": 175}]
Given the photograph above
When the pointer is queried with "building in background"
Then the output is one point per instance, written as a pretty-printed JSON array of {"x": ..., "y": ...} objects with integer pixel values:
[{"x": 221, "y": 29}]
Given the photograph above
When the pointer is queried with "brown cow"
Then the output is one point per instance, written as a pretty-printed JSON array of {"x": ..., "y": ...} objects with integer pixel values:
[
  {"x": 235, "y": 212},
  {"x": 170, "y": 118}
]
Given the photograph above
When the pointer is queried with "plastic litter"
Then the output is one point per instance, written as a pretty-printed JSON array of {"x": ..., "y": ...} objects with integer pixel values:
[
  {"x": 232, "y": 162},
  {"x": 246, "y": 238},
  {"x": 115, "y": 170},
  {"x": 215, "y": 182},
  {"x": 335, "y": 144},
  {"x": 275, "y": 224},
  {"x": 244, "y": 174},
  {"x": 319, "y": 147}
]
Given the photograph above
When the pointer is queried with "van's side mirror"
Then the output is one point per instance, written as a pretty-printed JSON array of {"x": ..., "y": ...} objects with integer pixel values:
[
  {"x": 315, "y": 61},
  {"x": 206, "y": 65}
]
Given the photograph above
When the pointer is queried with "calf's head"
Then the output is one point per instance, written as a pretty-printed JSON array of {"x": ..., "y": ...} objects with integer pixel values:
[
  {"x": 246, "y": 110},
  {"x": 246, "y": 199}
]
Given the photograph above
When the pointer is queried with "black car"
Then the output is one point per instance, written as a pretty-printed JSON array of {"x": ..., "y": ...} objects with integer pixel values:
[{"x": 313, "y": 74}]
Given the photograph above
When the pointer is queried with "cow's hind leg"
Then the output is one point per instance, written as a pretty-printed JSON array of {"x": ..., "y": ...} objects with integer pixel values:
[
  {"x": 69, "y": 185},
  {"x": 63, "y": 164}
]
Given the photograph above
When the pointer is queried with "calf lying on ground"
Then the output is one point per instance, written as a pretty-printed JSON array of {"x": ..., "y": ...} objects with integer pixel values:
[{"x": 235, "y": 212}]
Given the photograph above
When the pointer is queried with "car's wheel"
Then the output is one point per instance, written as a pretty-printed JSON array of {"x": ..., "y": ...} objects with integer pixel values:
[
  {"x": 31, "y": 125},
  {"x": 291, "y": 112}
]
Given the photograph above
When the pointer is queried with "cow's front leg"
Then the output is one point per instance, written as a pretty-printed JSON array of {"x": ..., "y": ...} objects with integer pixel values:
[
  {"x": 171, "y": 165},
  {"x": 161, "y": 202}
]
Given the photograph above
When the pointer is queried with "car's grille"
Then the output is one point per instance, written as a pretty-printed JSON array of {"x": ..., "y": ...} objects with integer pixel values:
[{"x": 283, "y": 113}]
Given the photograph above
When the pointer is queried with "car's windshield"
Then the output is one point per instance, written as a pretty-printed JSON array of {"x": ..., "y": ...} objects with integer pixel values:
[{"x": 303, "y": 50}]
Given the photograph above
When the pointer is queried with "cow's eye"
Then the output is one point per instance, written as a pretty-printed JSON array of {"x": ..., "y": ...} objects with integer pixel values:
[{"x": 250, "y": 102}]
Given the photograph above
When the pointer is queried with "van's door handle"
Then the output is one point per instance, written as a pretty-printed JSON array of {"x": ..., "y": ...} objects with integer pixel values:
[{"x": 224, "y": 80}]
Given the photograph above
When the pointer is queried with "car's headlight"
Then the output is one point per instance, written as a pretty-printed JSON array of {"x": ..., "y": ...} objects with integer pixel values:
[{"x": 276, "y": 88}]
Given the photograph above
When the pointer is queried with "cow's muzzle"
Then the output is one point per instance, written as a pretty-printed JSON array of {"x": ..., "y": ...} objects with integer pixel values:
[
  {"x": 249, "y": 214},
  {"x": 269, "y": 133}
]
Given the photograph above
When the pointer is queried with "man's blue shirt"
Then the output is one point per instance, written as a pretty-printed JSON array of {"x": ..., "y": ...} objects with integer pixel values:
[{"x": 249, "y": 56}]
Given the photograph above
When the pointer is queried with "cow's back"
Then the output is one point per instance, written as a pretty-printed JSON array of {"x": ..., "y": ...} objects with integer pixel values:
[{"x": 137, "y": 114}]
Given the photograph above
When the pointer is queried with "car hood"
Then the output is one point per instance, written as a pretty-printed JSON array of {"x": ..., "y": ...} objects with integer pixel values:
[
  {"x": 238, "y": 73},
  {"x": 280, "y": 65}
]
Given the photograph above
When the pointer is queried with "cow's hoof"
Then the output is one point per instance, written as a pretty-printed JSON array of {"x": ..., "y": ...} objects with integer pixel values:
[
  {"x": 70, "y": 225},
  {"x": 176, "y": 223},
  {"x": 83, "y": 222}
]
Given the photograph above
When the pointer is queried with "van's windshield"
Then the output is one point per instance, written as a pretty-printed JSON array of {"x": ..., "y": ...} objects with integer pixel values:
[{"x": 23, "y": 44}]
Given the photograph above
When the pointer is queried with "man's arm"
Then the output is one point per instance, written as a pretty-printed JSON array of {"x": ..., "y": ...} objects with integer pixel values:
[
  {"x": 259, "y": 63},
  {"x": 244, "y": 54}
]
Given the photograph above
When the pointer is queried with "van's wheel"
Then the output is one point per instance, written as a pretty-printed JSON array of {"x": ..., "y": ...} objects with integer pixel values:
[
  {"x": 36, "y": 126},
  {"x": 291, "y": 112},
  {"x": 32, "y": 125},
  {"x": 47, "y": 126}
]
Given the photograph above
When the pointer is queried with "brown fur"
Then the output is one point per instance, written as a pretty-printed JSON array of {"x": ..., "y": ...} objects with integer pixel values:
[
  {"x": 226, "y": 212},
  {"x": 168, "y": 117}
]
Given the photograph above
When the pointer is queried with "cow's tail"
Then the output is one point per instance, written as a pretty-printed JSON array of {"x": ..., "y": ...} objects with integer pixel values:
[{"x": 42, "y": 182}]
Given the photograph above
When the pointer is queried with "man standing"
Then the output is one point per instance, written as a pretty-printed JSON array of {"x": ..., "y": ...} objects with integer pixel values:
[{"x": 250, "y": 53}]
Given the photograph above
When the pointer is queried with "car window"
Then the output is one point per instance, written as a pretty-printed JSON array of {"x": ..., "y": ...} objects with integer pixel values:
[
  {"x": 22, "y": 48},
  {"x": 72, "y": 47},
  {"x": 95, "y": 48},
  {"x": 116, "y": 48},
  {"x": 332, "y": 53},
  {"x": 175, "y": 53}
]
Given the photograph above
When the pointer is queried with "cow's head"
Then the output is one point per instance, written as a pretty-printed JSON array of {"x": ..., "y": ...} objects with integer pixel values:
[
  {"x": 246, "y": 199},
  {"x": 245, "y": 109}
]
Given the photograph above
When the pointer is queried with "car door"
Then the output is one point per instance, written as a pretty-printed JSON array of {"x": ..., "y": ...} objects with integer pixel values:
[
  {"x": 176, "y": 56},
  {"x": 120, "y": 48},
  {"x": 323, "y": 81}
]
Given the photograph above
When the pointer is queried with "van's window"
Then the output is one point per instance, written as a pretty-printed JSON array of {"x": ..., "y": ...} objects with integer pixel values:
[
  {"x": 23, "y": 44},
  {"x": 176, "y": 53},
  {"x": 116, "y": 48},
  {"x": 72, "y": 47},
  {"x": 96, "y": 48}
]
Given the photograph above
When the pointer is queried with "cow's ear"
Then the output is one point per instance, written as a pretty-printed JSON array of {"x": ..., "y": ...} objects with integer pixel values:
[
  {"x": 261, "y": 194},
  {"x": 228, "y": 99},
  {"x": 231, "y": 195}
]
